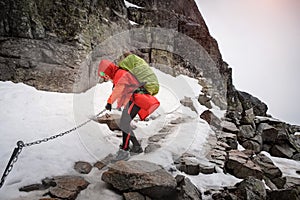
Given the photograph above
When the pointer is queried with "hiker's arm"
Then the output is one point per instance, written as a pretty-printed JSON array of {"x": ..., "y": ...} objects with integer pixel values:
[{"x": 116, "y": 93}]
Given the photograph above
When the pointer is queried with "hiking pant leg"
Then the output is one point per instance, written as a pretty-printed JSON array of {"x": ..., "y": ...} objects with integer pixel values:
[{"x": 129, "y": 112}]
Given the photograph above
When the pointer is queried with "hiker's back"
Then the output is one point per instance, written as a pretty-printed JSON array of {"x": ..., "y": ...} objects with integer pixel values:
[{"x": 142, "y": 71}]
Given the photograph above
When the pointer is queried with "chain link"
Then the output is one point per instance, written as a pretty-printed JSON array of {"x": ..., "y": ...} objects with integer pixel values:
[
  {"x": 12, "y": 161},
  {"x": 21, "y": 144}
]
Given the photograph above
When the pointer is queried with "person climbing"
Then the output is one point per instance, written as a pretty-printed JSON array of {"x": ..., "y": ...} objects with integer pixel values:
[{"x": 129, "y": 93}]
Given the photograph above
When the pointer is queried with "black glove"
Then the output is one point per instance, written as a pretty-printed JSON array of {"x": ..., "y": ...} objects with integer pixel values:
[{"x": 108, "y": 106}]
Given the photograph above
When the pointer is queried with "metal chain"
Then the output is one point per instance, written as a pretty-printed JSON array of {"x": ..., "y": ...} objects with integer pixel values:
[
  {"x": 61, "y": 134},
  {"x": 12, "y": 161},
  {"x": 21, "y": 144}
]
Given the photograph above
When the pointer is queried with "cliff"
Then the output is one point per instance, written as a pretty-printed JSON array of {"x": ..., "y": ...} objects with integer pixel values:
[{"x": 57, "y": 45}]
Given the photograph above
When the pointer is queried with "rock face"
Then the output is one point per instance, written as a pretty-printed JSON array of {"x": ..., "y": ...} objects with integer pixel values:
[
  {"x": 57, "y": 45},
  {"x": 45, "y": 44},
  {"x": 147, "y": 178}
]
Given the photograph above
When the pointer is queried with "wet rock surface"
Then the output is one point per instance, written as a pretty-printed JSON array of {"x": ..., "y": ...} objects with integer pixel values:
[{"x": 147, "y": 178}]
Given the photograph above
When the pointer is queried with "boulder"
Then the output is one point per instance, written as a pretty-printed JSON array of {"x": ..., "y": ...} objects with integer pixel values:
[
  {"x": 229, "y": 127},
  {"x": 268, "y": 132},
  {"x": 192, "y": 166},
  {"x": 248, "y": 117},
  {"x": 241, "y": 166},
  {"x": 67, "y": 187},
  {"x": 205, "y": 100},
  {"x": 151, "y": 148},
  {"x": 189, "y": 165},
  {"x": 267, "y": 166},
  {"x": 282, "y": 150},
  {"x": 187, "y": 101},
  {"x": 104, "y": 162},
  {"x": 291, "y": 182},
  {"x": 246, "y": 132},
  {"x": 249, "y": 138},
  {"x": 61, "y": 187},
  {"x": 270, "y": 170},
  {"x": 210, "y": 118},
  {"x": 83, "y": 167},
  {"x": 134, "y": 196},
  {"x": 144, "y": 177},
  {"x": 292, "y": 193},
  {"x": 112, "y": 121},
  {"x": 248, "y": 101},
  {"x": 228, "y": 138},
  {"x": 186, "y": 190},
  {"x": 251, "y": 189}
]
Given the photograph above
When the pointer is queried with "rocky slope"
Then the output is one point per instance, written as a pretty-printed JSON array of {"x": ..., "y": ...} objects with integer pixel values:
[{"x": 57, "y": 45}]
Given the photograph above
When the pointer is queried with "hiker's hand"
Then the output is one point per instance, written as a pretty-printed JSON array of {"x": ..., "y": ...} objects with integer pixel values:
[{"x": 108, "y": 106}]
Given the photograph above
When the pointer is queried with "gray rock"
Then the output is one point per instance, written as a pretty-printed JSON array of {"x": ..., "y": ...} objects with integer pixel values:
[
  {"x": 151, "y": 148},
  {"x": 269, "y": 169},
  {"x": 268, "y": 132},
  {"x": 251, "y": 189},
  {"x": 157, "y": 137},
  {"x": 144, "y": 177},
  {"x": 282, "y": 150},
  {"x": 83, "y": 167},
  {"x": 186, "y": 190},
  {"x": 177, "y": 121},
  {"x": 291, "y": 182},
  {"x": 60, "y": 187},
  {"x": 292, "y": 193},
  {"x": 253, "y": 144},
  {"x": 248, "y": 101},
  {"x": 246, "y": 132},
  {"x": 33, "y": 187},
  {"x": 112, "y": 121},
  {"x": 228, "y": 138},
  {"x": 248, "y": 117},
  {"x": 205, "y": 100},
  {"x": 210, "y": 118},
  {"x": 241, "y": 166},
  {"x": 189, "y": 165},
  {"x": 250, "y": 139},
  {"x": 134, "y": 196},
  {"x": 207, "y": 169},
  {"x": 104, "y": 162},
  {"x": 187, "y": 101},
  {"x": 267, "y": 166},
  {"x": 229, "y": 127},
  {"x": 224, "y": 195},
  {"x": 296, "y": 157},
  {"x": 68, "y": 187}
]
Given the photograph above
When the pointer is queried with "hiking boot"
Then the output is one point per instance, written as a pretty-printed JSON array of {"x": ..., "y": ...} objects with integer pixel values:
[
  {"x": 136, "y": 150},
  {"x": 121, "y": 155},
  {"x": 122, "y": 147}
]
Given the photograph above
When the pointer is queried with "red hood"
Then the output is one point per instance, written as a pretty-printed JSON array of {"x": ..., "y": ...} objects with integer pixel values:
[{"x": 108, "y": 67}]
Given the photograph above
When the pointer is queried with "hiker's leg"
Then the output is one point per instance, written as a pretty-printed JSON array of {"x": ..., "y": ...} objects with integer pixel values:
[
  {"x": 129, "y": 112},
  {"x": 133, "y": 112}
]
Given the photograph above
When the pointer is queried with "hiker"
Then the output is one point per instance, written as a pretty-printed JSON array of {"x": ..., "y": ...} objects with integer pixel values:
[{"x": 130, "y": 94}]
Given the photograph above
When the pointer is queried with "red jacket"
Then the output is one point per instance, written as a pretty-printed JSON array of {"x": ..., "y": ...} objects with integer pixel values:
[{"x": 124, "y": 86}]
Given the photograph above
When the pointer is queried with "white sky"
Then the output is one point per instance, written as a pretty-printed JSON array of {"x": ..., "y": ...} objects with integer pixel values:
[{"x": 260, "y": 40}]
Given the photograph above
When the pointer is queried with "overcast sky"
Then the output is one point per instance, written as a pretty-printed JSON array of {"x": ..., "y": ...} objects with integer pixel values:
[{"x": 260, "y": 40}]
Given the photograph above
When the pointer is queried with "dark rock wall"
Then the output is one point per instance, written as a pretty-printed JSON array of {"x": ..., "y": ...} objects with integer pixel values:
[{"x": 52, "y": 44}]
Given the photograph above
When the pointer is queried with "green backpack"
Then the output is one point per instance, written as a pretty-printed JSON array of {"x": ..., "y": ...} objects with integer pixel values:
[{"x": 142, "y": 71}]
